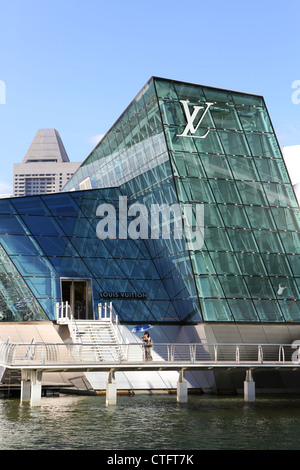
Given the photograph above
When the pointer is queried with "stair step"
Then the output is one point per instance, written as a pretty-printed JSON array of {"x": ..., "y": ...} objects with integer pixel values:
[{"x": 98, "y": 332}]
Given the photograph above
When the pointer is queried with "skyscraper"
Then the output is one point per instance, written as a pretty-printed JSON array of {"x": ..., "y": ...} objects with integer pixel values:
[{"x": 46, "y": 166}]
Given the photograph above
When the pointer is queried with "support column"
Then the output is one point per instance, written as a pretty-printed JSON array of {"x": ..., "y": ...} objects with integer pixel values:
[
  {"x": 25, "y": 386},
  {"x": 36, "y": 388},
  {"x": 31, "y": 387},
  {"x": 249, "y": 387},
  {"x": 111, "y": 389},
  {"x": 182, "y": 389}
]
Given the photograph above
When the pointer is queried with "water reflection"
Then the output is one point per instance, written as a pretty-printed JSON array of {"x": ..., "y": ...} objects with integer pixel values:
[{"x": 153, "y": 422}]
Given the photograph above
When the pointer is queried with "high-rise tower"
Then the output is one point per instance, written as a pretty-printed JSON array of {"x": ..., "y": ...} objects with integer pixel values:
[{"x": 46, "y": 166}]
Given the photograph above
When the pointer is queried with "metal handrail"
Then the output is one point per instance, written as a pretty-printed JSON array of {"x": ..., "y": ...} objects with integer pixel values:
[
  {"x": 64, "y": 315},
  {"x": 196, "y": 353}
]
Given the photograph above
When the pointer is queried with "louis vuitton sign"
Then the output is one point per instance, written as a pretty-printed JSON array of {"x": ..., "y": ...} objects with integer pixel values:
[
  {"x": 192, "y": 118},
  {"x": 123, "y": 295}
]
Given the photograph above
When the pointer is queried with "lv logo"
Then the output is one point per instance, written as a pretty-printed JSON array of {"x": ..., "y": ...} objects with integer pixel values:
[{"x": 190, "y": 127}]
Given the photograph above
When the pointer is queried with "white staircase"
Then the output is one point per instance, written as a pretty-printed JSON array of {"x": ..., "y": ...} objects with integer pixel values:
[
  {"x": 95, "y": 340},
  {"x": 99, "y": 340}
]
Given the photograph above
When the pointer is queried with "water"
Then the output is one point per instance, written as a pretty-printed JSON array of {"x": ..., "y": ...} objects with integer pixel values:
[{"x": 144, "y": 422}]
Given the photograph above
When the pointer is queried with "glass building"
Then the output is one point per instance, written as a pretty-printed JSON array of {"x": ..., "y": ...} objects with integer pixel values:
[{"x": 125, "y": 225}]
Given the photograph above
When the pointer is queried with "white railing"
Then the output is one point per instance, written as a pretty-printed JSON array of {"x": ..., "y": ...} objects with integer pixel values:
[
  {"x": 197, "y": 353},
  {"x": 64, "y": 316},
  {"x": 106, "y": 311}
]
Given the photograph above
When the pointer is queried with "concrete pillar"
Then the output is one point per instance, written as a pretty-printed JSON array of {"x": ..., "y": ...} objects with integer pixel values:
[
  {"x": 25, "y": 386},
  {"x": 36, "y": 388},
  {"x": 31, "y": 387},
  {"x": 249, "y": 387},
  {"x": 111, "y": 389},
  {"x": 182, "y": 389}
]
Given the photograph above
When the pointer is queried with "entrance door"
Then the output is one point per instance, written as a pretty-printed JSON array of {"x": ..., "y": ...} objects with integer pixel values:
[{"x": 78, "y": 293}]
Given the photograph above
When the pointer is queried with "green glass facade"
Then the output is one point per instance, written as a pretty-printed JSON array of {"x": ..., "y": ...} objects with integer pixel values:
[{"x": 181, "y": 144}]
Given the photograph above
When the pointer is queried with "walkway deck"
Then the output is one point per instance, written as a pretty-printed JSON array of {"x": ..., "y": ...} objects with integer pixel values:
[{"x": 34, "y": 359}]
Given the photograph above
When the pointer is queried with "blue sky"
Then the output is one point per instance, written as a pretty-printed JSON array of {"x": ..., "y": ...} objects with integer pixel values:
[{"x": 76, "y": 65}]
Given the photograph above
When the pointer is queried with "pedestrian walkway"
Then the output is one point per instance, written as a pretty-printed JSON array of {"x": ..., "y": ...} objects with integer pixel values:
[{"x": 35, "y": 358}]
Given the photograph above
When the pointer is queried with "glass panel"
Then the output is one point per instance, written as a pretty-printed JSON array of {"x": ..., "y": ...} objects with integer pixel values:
[
  {"x": 208, "y": 286},
  {"x": 186, "y": 91},
  {"x": 276, "y": 264},
  {"x": 263, "y": 145},
  {"x": 290, "y": 241},
  {"x": 243, "y": 310},
  {"x": 70, "y": 267},
  {"x": 268, "y": 242},
  {"x": 243, "y": 168},
  {"x": 234, "y": 143},
  {"x": 201, "y": 263},
  {"x": 31, "y": 205},
  {"x": 241, "y": 98},
  {"x": 234, "y": 216},
  {"x": 189, "y": 189},
  {"x": 187, "y": 164},
  {"x": 254, "y": 118},
  {"x": 90, "y": 247},
  {"x": 242, "y": 240},
  {"x": 12, "y": 224},
  {"x": 286, "y": 219},
  {"x": 144, "y": 269},
  {"x": 225, "y": 263},
  {"x": 272, "y": 170},
  {"x": 172, "y": 113},
  {"x": 78, "y": 226},
  {"x": 57, "y": 246},
  {"x": 294, "y": 261},
  {"x": 211, "y": 143},
  {"x": 260, "y": 217},
  {"x": 179, "y": 144},
  {"x": 251, "y": 263},
  {"x": 62, "y": 205},
  {"x": 20, "y": 245},
  {"x": 215, "y": 310},
  {"x": 225, "y": 116},
  {"x": 259, "y": 287},
  {"x": 42, "y": 225},
  {"x": 280, "y": 195},
  {"x": 233, "y": 286},
  {"x": 212, "y": 217},
  {"x": 165, "y": 88},
  {"x": 216, "y": 166},
  {"x": 164, "y": 311},
  {"x": 44, "y": 287},
  {"x": 285, "y": 288},
  {"x": 6, "y": 207},
  {"x": 251, "y": 193},
  {"x": 268, "y": 311},
  {"x": 216, "y": 239},
  {"x": 34, "y": 266},
  {"x": 181, "y": 288},
  {"x": 225, "y": 191},
  {"x": 290, "y": 310},
  {"x": 220, "y": 96},
  {"x": 155, "y": 289}
]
